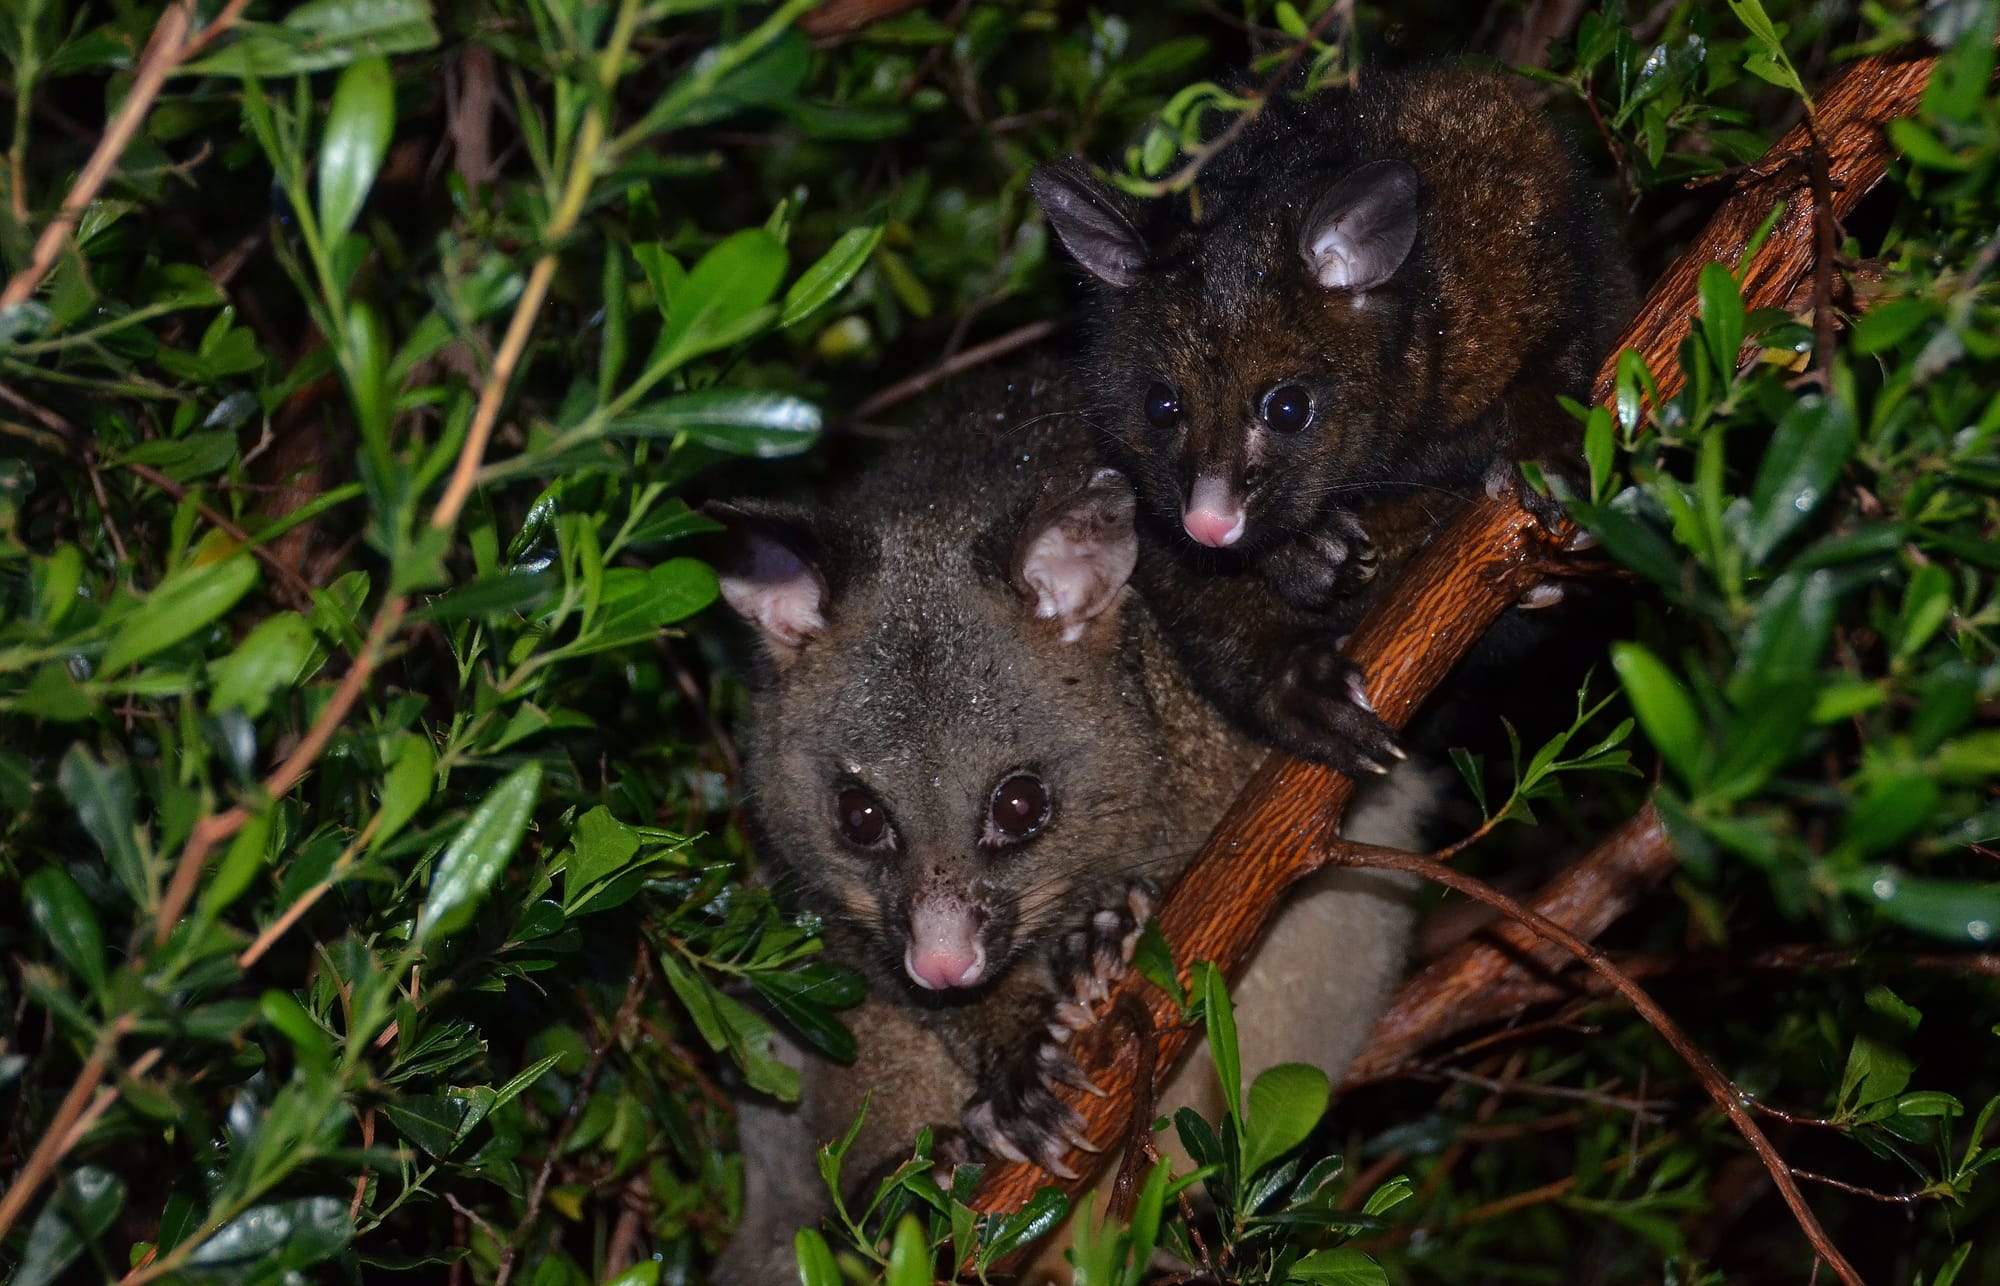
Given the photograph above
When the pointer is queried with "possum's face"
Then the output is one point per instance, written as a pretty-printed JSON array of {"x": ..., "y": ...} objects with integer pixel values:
[
  {"x": 951, "y": 759},
  {"x": 1248, "y": 372}
]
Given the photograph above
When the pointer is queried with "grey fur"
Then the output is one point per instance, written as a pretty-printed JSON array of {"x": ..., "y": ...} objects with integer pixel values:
[{"x": 932, "y": 680}]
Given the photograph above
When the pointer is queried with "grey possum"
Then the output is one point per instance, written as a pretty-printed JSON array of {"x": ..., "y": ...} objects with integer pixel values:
[
  {"x": 1370, "y": 301},
  {"x": 973, "y": 753}
]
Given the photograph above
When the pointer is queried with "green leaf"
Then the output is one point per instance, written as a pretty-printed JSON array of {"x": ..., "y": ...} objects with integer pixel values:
[
  {"x": 603, "y": 848},
  {"x": 247, "y": 854},
  {"x": 1794, "y": 621},
  {"x": 434, "y": 1122},
  {"x": 1721, "y": 317},
  {"x": 101, "y": 794},
  {"x": 829, "y": 276},
  {"x": 322, "y": 34},
  {"x": 817, "y": 1266},
  {"x": 1763, "y": 737},
  {"x": 909, "y": 1255},
  {"x": 1154, "y": 960},
  {"x": 358, "y": 129},
  {"x": 724, "y": 299},
  {"x": 803, "y": 996},
  {"x": 183, "y": 459},
  {"x": 272, "y": 656},
  {"x": 1286, "y": 1101},
  {"x": 309, "y": 1040},
  {"x": 764, "y": 425},
  {"x": 1663, "y": 707},
  {"x": 1633, "y": 540},
  {"x": 1220, "y": 1015},
  {"x": 1807, "y": 451},
  {"x": 1340, "y": 1267},
  {"x": 644, "y": 1273},
  {"x": 645, "y": 601},
  {"x": 81, "y": 1209},
  {"x": 56, "y": 580},
  {"x": 291, "y": 1234},
  {"x": 64, "y": 915},
  {"x": 1926, "y": 607},
  {"x": 1955, "y": 910},
  {"x": 725, "y": 1024},
  {"x": 504, "y": 593},
  {"x": 183, "y": 603},
  {"x": 1047, "y": 1208},
  {"x": 406, "y": 786},
  {"x": 478, "y": 853},
  {"x": 1891, "y": 810}
]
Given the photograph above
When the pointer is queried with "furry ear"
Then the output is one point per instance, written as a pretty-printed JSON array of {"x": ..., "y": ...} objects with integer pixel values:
[
  {"x": 772, "y": 579},
  {"x": 1088, "y": 221},
  {"x": 1361, "y": 229},
  {"x": 1075, "y": 555}
]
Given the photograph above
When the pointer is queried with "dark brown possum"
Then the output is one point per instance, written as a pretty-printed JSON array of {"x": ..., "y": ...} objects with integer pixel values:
[
  {"x": 969, "y": 745},
  {"x": 1373, "y": 297}
]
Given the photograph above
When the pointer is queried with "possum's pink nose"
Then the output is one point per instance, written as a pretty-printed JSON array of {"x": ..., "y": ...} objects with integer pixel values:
[
  {"x": 1216, "y": 530},
  {"x": 940, "y": 968},
  {"x": 944, "y": 950},
  {"x": 1214, "y": 515}
]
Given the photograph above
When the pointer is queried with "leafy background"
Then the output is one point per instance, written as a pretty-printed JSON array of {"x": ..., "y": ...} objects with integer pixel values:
[{"x": 369, "y": 899}]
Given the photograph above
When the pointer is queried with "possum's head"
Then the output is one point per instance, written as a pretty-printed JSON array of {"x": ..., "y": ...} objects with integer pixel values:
[
  {"x": 1249, "y": 366},
  {"x": 949, "y": 747}
]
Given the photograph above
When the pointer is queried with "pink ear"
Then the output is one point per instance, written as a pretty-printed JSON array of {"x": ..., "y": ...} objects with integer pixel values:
[
  {"x": 771, "y": 585},
  {"x": 1361, "y": 229},
  {"x": 1076, "y": 556}
]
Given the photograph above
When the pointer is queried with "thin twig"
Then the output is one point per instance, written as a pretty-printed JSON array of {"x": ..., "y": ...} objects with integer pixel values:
[
  {"x": 217, "y": 827},
  {"x": 219, "y": 520},
  {"x": 957, "y": 364},
  {"x": 55, "y": 1139},
  {"x": 165, "y": 49},
  {"x": 1719, "y": 1087}
]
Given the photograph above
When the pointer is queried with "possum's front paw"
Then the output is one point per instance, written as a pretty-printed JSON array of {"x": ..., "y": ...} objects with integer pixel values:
[
  {"x": 1021, "y": 1118},
  {"x": 1320, "y": 567},
  {"x": 1319, "y": 708}
]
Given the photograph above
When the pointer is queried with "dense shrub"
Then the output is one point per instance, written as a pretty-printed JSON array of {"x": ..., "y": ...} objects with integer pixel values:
[{"x": 369, "y": 899}]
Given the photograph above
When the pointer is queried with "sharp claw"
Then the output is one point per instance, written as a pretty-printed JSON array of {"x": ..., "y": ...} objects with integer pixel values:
[
  {"x": 1357, "y": 688},
  {"x": 1541, "y": 596},
  {"x": 979, "y": 1123},
  {"x": 1059, "y": 1033},
  {"x": 1051, "y": 1160},
  {"x": 1004, "y": 1146},
  {"x": 1400, "y": 753},
  {"x": 1580, "y": 540},
  {"x": 1073, "y": 1132},
  {"x": 1056, "y": 1062}
]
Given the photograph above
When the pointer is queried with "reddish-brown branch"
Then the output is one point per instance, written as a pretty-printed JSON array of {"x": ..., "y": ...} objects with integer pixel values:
[
  {"x": 1719, "y": 1087},
  {"x": 1281, "y": 826},
  {"x": 1849, "y": 115},
  {"x": 1444, "y": 998}
]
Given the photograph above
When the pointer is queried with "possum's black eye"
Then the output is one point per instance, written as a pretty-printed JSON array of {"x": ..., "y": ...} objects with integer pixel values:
[
  {"x": 1288, "y": 408},
  {"x": 860, "y": 818},
  {"x": 1020, "y": 807},
  {"x": 1163, "y": 405}
]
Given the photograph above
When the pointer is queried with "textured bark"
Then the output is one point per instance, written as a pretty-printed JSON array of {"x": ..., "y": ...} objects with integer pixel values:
[
  {"x": 1459, "y": 990},
  {"x": 1282, "y": 826}
]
